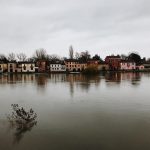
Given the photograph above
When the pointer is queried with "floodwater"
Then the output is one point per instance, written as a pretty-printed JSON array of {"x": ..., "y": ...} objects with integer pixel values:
[{"x": 77, "y": 112}]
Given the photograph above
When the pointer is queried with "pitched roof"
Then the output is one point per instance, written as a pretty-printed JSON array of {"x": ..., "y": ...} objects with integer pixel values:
[
  {"x": 112, "y": 57},
  {"x": 25, "y": 62},
  {"x": 127, "y": 61}
]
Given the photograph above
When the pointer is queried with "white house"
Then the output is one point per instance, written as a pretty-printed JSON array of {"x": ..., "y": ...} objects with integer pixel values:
[
  {"x": 1, "y": 67},
  {"x": 57, "y": 67},
  {"x": 140, "y": 67},
  {"x": 127, "y": 65},
  {"x": 28, "y": 67},
  {"x": 12, "y": 67}
]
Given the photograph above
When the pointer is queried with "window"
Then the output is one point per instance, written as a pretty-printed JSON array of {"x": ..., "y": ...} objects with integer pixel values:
[
  {"x": 31, "y": 67},
  {"x": 24, "y": 67}
]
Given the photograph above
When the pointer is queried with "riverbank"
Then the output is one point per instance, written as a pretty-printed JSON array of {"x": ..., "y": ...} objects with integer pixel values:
[{"x": 86, "y": 72}]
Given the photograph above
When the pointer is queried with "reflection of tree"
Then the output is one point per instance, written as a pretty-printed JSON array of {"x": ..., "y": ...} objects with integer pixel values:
[
  {"x": 136, "y": 78},
  {"x": 41, "y": 80},
  {"x": 11, "y": 79},
  {"x": 133, "y": 78},
  {"x": 55, "y": 78},
  {"x": 113, "y": 77},
  {"x": 21, "y": 121},
  {"x": 82, "y": 81}
]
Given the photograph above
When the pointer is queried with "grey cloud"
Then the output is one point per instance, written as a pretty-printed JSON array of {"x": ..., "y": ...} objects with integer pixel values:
[{"x": 101, "y": 26}]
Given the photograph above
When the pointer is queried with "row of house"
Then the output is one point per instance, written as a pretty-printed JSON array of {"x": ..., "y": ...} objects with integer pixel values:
[
  {"x": 116, "y": 63},
  {"x": 14, "y": 67},
  {"x": 71, "y": 65}
]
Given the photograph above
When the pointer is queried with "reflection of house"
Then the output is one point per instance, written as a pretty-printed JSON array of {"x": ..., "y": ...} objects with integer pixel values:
[
  {"x": 127, "y": 65},
  {"x": 75, "y": 65},
  {"x": 28, "y": 67},
  {"x": 42, "y": 65},
  {"x": 130, "y": 76},
  {"x": 3, "y": 67},
  {"x": 12, "y": 67},
  {"x": 113, "y": 77},
  {"x": 57, "y": 66},
  {"x": 114, "y": 62}
]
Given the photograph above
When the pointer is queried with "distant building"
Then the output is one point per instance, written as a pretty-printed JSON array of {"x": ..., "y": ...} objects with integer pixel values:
[
  {"x": 3, "y": 67},
  {"x": 57, "y": 66},
  {"x": 102, "y": 66},
  {"x": 73, "y": 65},
  {"x": 127, "y": 65},
  {"x": 140, "y": 67},
  {"x": 93, "y": 62},
  {"x": 114, "y": 62},
  {"x": 146, "y": 65},
  {"x": 42, "y": 66},
  {"x": 19, "y": 67},
  {"x": 28, "y": 67},
  {"x": 12, "y": 67}
]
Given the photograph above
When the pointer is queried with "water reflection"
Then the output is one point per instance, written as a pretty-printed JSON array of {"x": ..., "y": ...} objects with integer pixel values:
[
  {"x": 107, "y": 111},
  {"x": 21, "y": 121},
  {"x": 83, "y": 82}
]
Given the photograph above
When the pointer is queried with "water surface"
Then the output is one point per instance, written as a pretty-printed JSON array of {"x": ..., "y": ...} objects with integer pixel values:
[{"x": 77, "y": 112}]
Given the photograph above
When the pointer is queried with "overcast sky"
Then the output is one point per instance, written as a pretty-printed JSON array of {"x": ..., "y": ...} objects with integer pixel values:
[{"x": 100, "y": 26}]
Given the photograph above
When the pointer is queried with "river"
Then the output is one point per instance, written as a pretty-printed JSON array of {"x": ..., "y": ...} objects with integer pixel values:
[{"x": 77, "y": 112}]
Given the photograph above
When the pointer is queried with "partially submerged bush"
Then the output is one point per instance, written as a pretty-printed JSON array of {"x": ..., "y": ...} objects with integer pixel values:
[
  {"x": 20, "y": 116},
  {"x": 92, "y": 69},
  {"x": 21, "y": 120}
]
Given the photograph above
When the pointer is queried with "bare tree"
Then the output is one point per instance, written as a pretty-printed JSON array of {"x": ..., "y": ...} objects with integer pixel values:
[
  {"x": 77, "y": 55},
  {"x": 3, "y": 58},
  {"x": 21, "y": 56},
  {"x": 11, "y": 57},
  {"x": 71, "y": 52},
  {"x": 40, "y": 54},
  {"x": 124, "y": 57},
  {"x": 148, "y": 60},
  {"x": 85, "y": 55},
  {"x": 53, "y": 57}
]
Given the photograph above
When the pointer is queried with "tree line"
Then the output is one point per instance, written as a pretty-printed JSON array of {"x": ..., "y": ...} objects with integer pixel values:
[{"x": 82, "y": 56}]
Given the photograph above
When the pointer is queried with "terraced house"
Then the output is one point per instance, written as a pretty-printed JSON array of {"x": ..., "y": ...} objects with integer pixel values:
[
  {"x": 28, "y": 67},
  {"x": 113, "y": 62},
  {"x": 57, "y": 66},
  {"x": 42, "y": 66},
  {"x": 3, "y": 67},
  {"x": 12, "y": 67},
  {"x": 74, "y": 65},
  {"x": 127, "y": 65}
]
